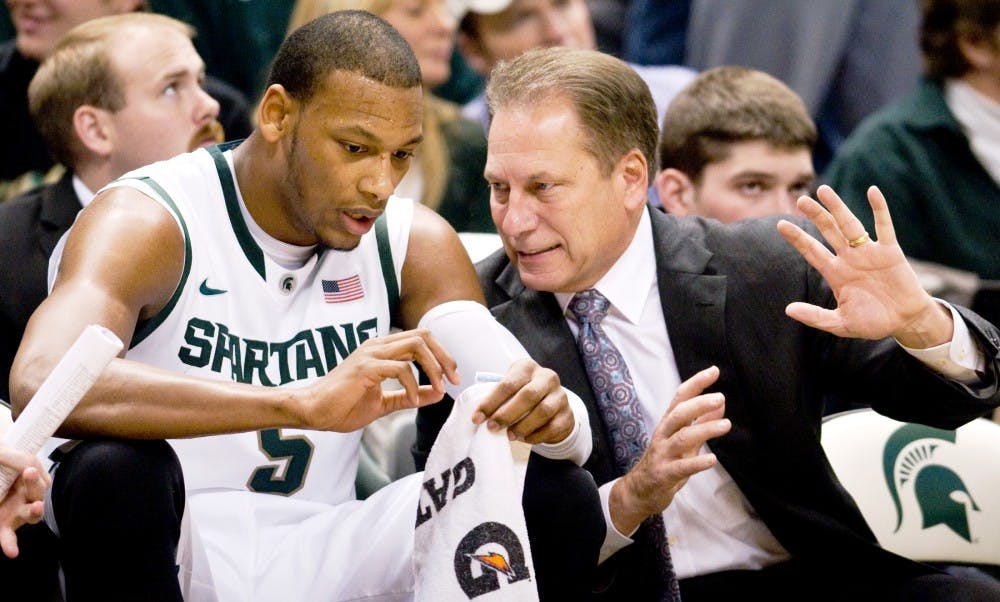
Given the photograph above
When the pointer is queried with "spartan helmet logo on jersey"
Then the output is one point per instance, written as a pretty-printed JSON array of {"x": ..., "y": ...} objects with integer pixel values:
[
  {"x": 909, "y": 464},
  {"x": 487, "y": 557}
]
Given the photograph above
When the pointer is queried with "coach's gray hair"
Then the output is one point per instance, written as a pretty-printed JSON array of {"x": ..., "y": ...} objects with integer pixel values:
[{"x": 614, "y": 105}]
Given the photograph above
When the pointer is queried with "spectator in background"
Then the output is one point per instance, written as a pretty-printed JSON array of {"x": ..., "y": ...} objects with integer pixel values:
[
  {"x": 503, "y": 29},
  {"x": 446, "y": 173},
  {"x": 237, "y": 38},
  {"x": 25, "y": 161},
  {"x": 656, "y": 31},
  {"x": 846, "y": 59},
  {"x": 107, "y": 103},
  {"x": 735, "y": 143},
  {"x": 114, "y": 94},
  {"x": 936, "y": 153}
]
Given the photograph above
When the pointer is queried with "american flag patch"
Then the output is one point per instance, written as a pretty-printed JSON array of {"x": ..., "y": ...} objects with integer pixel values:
[{"x": 343, "y": 290}]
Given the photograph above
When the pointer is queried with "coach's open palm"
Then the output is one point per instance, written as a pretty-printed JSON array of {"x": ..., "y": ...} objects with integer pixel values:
[
  {"x": 672, "y": 455},
  {"x": 878, "y": 293}
]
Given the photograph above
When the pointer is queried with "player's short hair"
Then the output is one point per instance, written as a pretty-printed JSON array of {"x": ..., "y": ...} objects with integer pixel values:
[
  {"x": 79, "y": 72},
  {"x": 944, "y": 23},
  {"x": 354, "y": 41},
  {"x": 726, "y": 105},
  {"x": 613, "y": 104}
]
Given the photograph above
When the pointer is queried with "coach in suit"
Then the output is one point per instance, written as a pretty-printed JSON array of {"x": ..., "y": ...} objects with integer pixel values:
[{"x": 749, "y": 501}]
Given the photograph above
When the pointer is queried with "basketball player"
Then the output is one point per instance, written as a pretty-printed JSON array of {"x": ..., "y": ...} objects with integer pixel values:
[{"x": 255, "y": 287}]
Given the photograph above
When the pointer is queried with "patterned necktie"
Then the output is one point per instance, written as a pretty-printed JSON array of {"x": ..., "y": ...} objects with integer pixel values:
[{"x": 619, "y": 406}]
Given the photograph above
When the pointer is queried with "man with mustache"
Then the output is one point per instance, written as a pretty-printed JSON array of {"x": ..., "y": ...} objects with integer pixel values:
[
  {"x": 39, "y": 25},
  {"x": 116, "y": 93}
]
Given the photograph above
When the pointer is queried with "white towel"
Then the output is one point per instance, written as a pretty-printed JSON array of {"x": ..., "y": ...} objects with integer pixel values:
[{"x": 471, "y": 539}]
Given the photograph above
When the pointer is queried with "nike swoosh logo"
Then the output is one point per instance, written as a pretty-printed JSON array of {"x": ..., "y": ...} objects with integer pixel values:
[{"x": 207, "y": 290}]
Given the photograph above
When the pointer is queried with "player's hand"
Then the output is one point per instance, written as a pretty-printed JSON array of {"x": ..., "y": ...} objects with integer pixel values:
[
  {"x": 530, "y": 403},
  {"x": 672, "y": 455},
  {"x": 24, "y": 502},
  {"x": 350, "y": 396},
  {"x": 878, "y": 293}
]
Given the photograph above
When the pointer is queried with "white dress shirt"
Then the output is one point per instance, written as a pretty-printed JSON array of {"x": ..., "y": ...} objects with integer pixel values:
[
  {"x": 979, "y": 117},
  {"x": 83, "y": 194},
  {"x": 711, "y": 525}
]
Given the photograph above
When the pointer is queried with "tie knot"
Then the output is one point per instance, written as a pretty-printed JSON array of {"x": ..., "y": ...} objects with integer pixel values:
[{"x": 589, "y": 306}]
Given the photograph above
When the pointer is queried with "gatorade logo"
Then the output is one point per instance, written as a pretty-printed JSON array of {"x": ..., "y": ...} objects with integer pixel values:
[
  {"x": 487, "y": 553},
  {"x": 909, "y": 464}
]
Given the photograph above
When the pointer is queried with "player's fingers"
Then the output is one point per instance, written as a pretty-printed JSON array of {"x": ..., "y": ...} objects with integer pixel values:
[
  {"x": 8, "y": 542},
  {"x": 35, "y": 512},
  {"x": 445, "y": 360},
  {"x": 15, "y": 459},
  {"x": 412, "y": 346},
  {"x": 34, "y": 484},
  {"x": 403, "y": 373},
  {"x": 401, "y": 399}
]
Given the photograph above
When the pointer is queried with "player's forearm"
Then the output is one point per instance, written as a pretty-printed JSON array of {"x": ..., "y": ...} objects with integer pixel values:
[{"x": 134, "y": 400}]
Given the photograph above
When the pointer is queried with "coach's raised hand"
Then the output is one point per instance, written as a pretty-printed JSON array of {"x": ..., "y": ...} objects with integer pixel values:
[{"x": 878, "y": 293}]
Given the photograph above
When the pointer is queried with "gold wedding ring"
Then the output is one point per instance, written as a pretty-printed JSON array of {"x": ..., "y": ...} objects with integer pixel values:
[{"x": 857, "y": 242}]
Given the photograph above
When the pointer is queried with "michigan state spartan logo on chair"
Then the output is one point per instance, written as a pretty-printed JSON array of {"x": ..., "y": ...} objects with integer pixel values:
[{"x": 928, "y": 494}]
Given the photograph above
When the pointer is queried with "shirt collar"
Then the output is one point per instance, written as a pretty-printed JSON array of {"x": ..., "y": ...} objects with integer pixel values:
[
  {"x": 627, "y": 282},
  {"x": 83, "y": 194}
]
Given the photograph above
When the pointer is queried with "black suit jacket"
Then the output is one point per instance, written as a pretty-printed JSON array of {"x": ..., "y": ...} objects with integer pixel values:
[
  {"x": 30, "y": 227},
  {"x": 723, "y": 290}
]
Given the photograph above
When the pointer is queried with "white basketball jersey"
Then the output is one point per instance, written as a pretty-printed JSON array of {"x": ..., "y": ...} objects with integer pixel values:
[{"x": 238, "y": 315}]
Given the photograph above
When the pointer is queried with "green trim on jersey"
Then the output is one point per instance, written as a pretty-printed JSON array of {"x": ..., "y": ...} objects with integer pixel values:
[
  {"x": 388, "y": 269},
  {"x": 253, "y": 252},
  {"x": 146, "y": 328}
]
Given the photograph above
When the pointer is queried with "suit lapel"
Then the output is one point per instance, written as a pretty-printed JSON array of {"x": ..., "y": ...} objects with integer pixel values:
[
  {"x": 537, "y": 321},
  {"x": 694, "y": 307},
  {"x": 58, "y": 210},
  {"x": 693, "y": 302}
]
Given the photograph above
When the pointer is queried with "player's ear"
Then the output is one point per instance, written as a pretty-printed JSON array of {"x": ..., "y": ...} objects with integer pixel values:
[
  {"x": 675, "y": 190},
  {"x": 276, "y": 113},
  {"x": 93, "y": 128}
]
